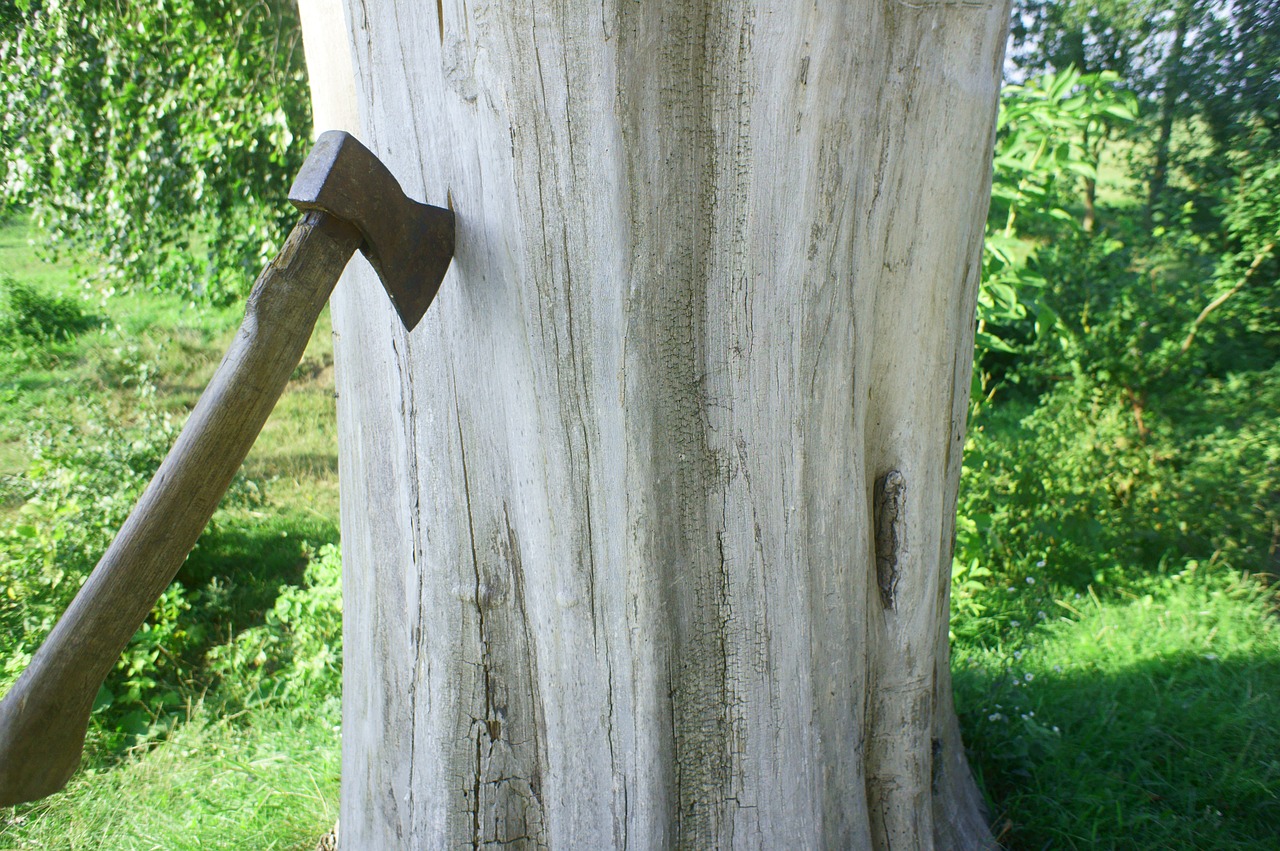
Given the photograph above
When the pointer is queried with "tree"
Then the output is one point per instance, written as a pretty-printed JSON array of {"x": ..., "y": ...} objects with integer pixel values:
[
  {"x": 1211, "y": 65},
  {"x": 1093, "y": 37},
  {"x": 648, "y": 526},
  {"x": 160, "y": 135}
]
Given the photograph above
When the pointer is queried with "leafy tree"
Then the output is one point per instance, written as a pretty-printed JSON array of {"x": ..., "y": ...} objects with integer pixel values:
[
  {"x": 1236, "y": 84},
  {"x": 1051, "y": 136},
  {"x": 1212, "y": 65},
  {"x": 1106, "y": 35},
  {"x": 160, "y": 134},
  {"x": 1243, "y": 294}
]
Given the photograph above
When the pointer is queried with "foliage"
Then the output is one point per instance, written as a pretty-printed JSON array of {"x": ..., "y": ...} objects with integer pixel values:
[
  {"x": 1208, "y": 72},
  {"x": 1041, "y": 144},
  {"x": 1233, "y": 73},
  {"x": 1120, "y": 503},
  {"x": 1241, "y": 317},
  {"x": 32, "y": 316},
  {"x": 1073, "y": 483},
  {"x": 1094, "y": 36},
  {"x": 1043, "y": 149},
  {"x": 160, "y": 134},
  {"x": 95, "y": 411},
  {"x": 296, "y": 654},
  {"x": 79, "y": 491}
]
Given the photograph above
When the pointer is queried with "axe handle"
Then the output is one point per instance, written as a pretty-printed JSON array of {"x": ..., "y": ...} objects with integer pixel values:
[{"x": 44, "y": 716}]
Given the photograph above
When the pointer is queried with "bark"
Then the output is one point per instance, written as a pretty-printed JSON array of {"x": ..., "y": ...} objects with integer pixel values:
[
  {"x": 1090, "y": 221},
  {"x": 1092, "y": 145},
  {"x": 1174, "y": 86},
  {"x": 647, "y": 527}
]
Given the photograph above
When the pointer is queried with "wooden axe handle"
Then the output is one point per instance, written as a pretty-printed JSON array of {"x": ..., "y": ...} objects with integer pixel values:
[{"x": 44, "y": 716}]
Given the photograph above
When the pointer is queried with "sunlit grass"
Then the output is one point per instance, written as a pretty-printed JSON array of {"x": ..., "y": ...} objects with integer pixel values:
[{"x": 266, "y": 782}]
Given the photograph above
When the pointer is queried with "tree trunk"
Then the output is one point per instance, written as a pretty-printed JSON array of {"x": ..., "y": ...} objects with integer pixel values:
[
  {"x": 1174, "y": 85},
  {"x": 1092, "y": 147},
  {"x": 647, "y": 527}
]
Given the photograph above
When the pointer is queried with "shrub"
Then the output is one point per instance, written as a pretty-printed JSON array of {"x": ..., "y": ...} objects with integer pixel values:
[
  {"x": 1075, "y": 485},
  {"x": 79, "y": 490},
  {"x": 38, "y": 317},
  {"x": 296, "y": 654}
]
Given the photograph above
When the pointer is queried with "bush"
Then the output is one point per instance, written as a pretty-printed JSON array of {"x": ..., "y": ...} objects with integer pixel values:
[
  {"x": 37, "y": 317},
  {"x": 1075, "y": 492},
  {"x": 296, "y": 654}
]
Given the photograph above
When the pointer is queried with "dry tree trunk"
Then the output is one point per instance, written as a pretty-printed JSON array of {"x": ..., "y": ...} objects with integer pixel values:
[{"x": 648, "y": 526}]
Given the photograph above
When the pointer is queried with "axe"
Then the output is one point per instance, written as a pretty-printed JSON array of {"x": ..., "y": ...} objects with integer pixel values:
[{"x": 349, "y": 200}]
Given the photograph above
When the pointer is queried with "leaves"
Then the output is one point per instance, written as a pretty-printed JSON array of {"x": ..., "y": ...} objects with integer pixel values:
[
  {"x": 1043, "y": 147},
  {"x": 163, "y": 135}
]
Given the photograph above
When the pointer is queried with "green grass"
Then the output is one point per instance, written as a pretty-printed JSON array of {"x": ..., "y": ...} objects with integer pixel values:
[
  {"x": 137, "y": 339},
  {"x": 162, "y": 340},
  {"x": 20, "y": 258},
  {"x": 1139, "y": 721},
  {"x": 268, "y": 782}
]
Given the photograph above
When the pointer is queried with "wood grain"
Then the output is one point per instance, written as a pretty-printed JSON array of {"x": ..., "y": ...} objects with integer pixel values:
[{"x": 610, "y": 554}]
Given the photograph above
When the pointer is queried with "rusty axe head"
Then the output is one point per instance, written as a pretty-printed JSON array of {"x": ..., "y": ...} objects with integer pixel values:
[{"x": 408, "y": 244}]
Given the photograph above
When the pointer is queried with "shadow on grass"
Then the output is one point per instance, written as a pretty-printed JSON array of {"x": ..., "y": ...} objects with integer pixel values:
[
  {"x": 249, "y": 562},
  {"x": 1181, "y": 751}
]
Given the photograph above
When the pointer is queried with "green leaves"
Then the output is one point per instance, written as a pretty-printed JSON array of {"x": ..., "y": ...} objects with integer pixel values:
[
  {"x": 1048, "y": 140},
  {"x": 162, "y": 136},
  {"x": 30, "y": 316},
  {"x": 1043, "y": 137},
  {"x": 297, "y": 652}
]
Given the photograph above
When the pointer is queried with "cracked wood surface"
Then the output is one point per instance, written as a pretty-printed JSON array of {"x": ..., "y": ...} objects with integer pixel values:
[{"x": 609, "y": 513}]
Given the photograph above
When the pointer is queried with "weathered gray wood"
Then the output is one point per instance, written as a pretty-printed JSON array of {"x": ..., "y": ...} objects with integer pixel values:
[
  {"x": 44, "y": 716},
  {"x": 613, "y": 572}
]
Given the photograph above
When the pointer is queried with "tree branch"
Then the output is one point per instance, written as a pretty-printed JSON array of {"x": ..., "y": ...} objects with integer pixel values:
[{"x": 1217, "y": 302}]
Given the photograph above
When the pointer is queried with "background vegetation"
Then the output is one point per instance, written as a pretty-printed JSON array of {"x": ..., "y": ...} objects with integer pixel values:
[
  {"x": 1115, "y": 641},
  {"x": 160, "y": 135}
]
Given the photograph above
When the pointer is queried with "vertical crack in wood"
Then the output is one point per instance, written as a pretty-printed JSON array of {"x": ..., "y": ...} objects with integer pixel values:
[
  {"x": 478, "y": 771},
  {"x": 937, "y": 766},
  {"x": 409, "y": 415},
  {"x": 505, "y": 717},
  {"x": 889, "y": 512}
]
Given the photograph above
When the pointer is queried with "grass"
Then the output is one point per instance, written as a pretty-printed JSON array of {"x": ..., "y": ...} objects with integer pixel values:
[
  {"x": 138, "y": 338},
  {"x": 270, "y": 783},
  {"x": 162, "y": 340},
  {"x": 1138, "y": 721}
]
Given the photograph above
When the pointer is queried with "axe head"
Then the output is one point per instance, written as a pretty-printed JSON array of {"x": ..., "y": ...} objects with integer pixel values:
[{"x": 409, "y": 244}]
